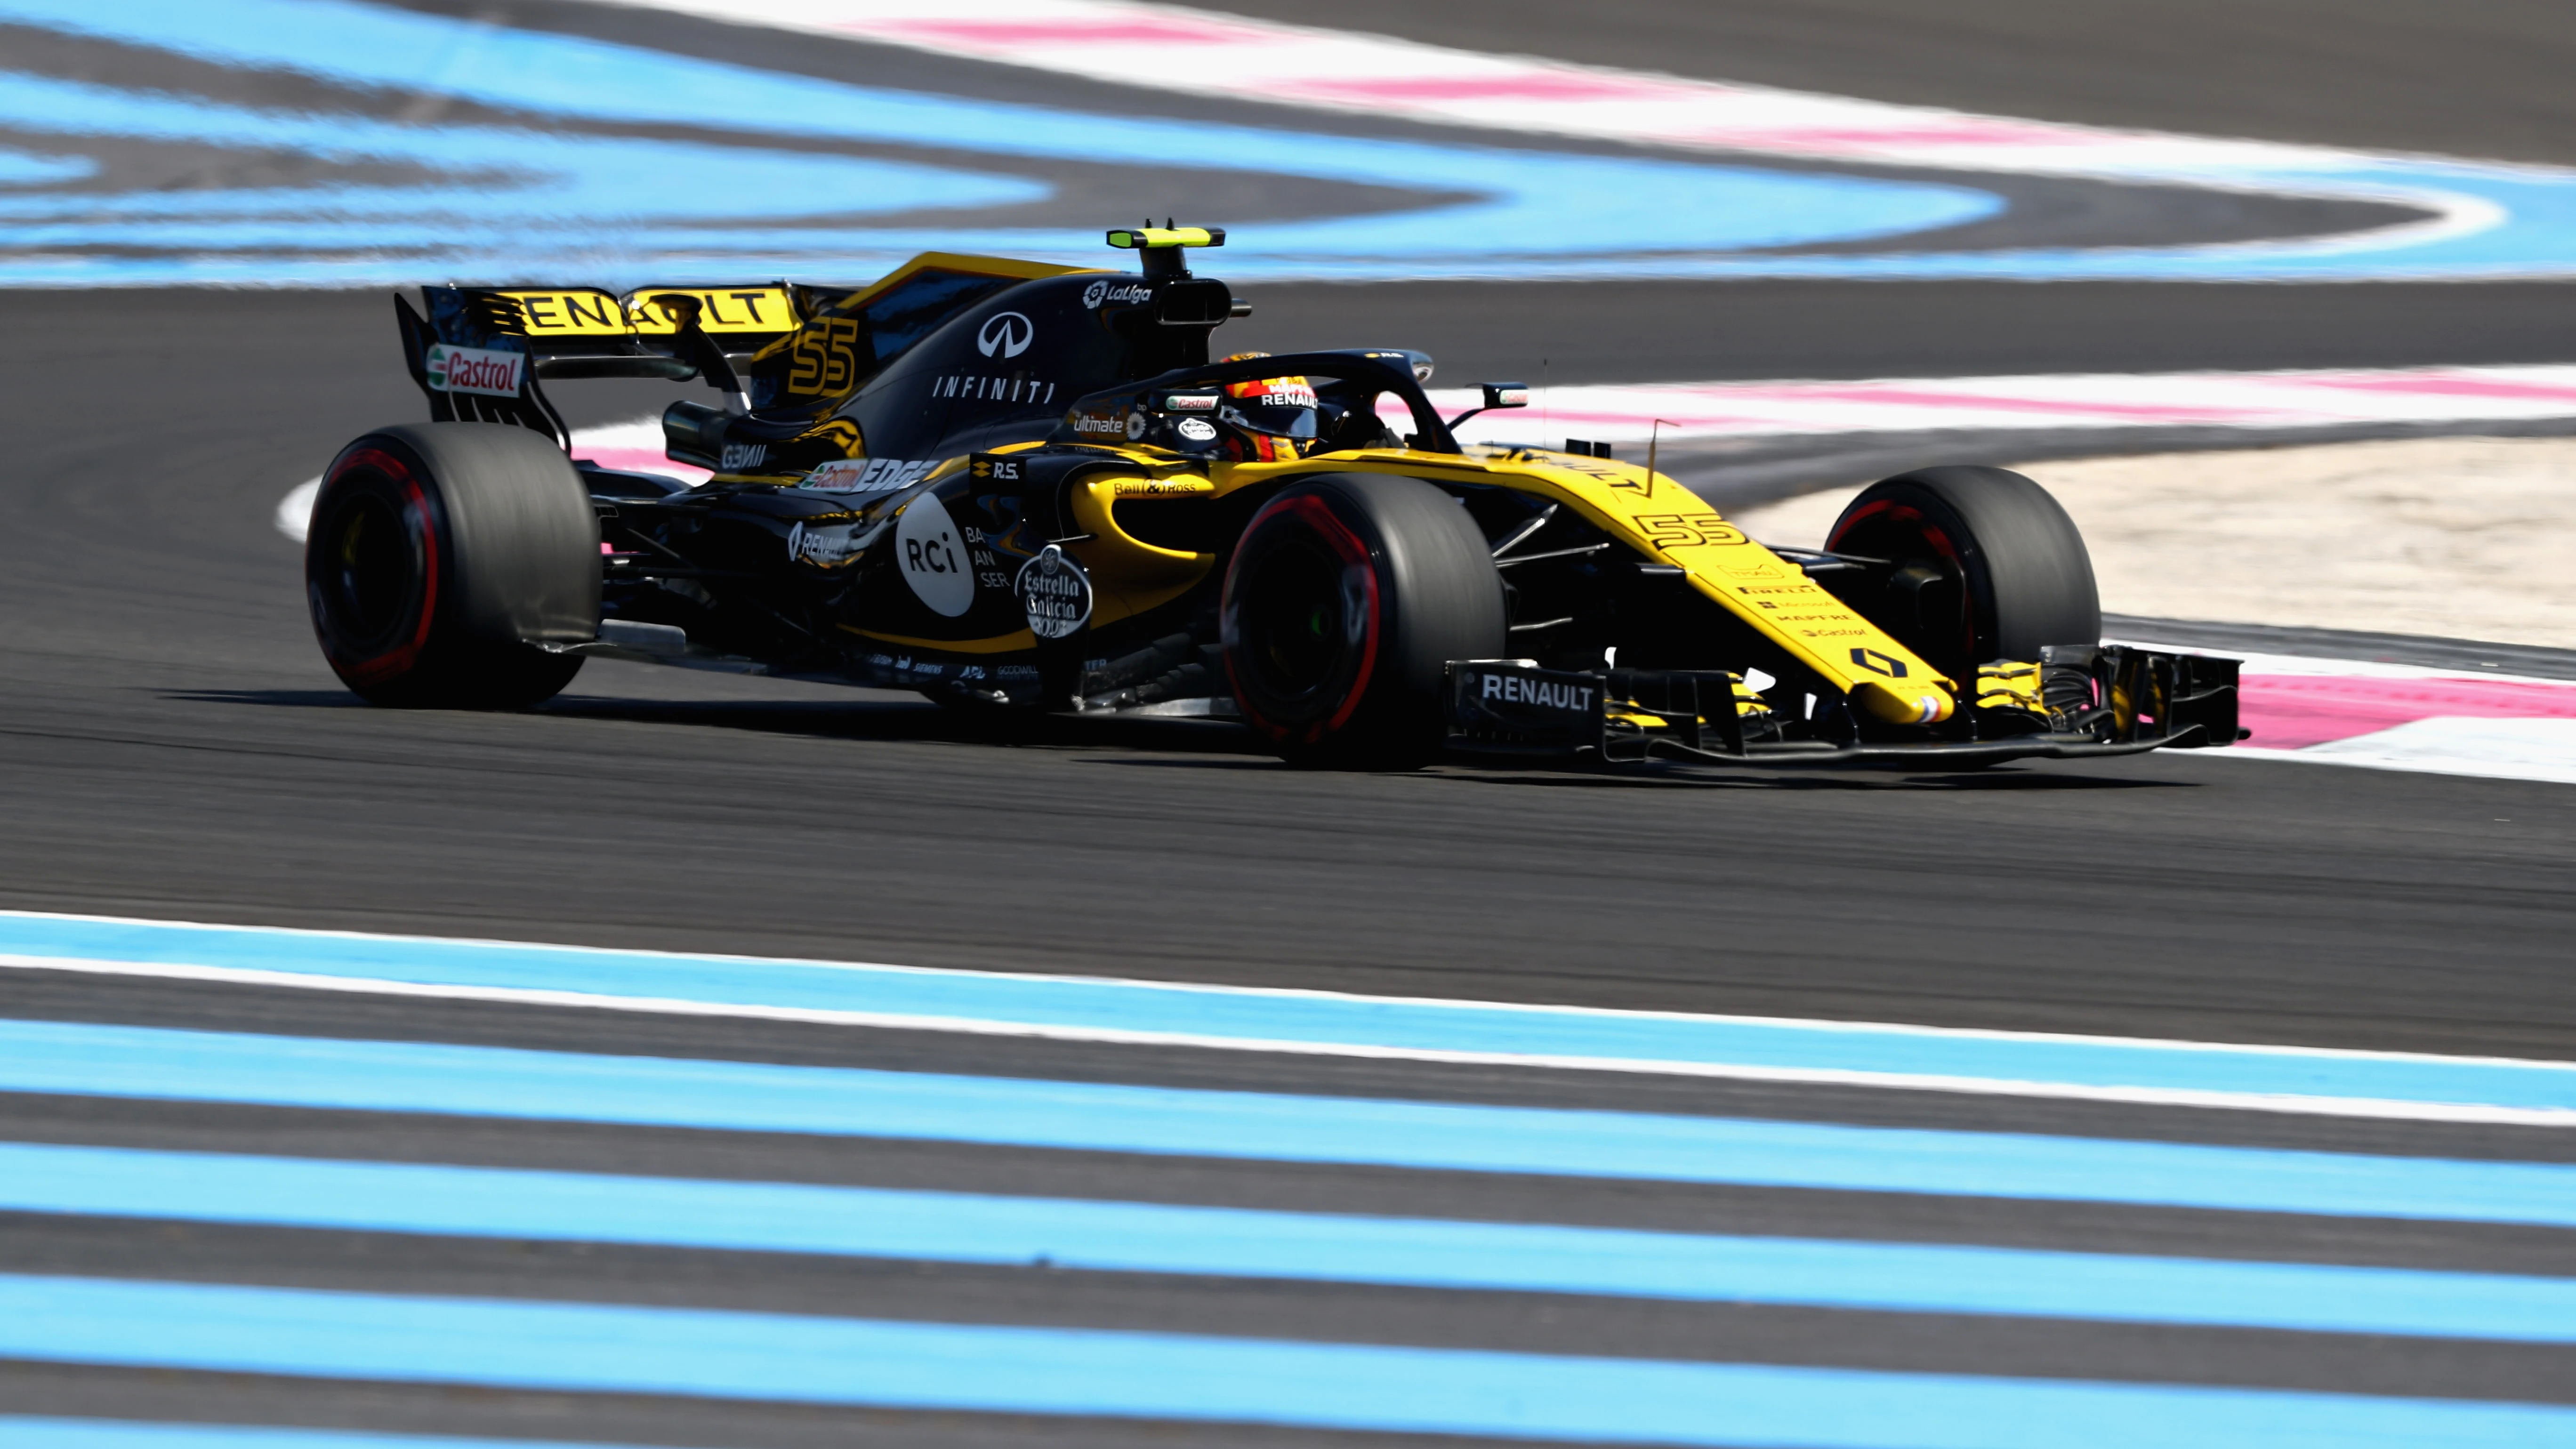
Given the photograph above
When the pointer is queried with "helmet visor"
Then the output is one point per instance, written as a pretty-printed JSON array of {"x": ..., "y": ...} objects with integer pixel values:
[
  {"x": 1274, "y": 420},
  {"x": 1282, "y": 407}
]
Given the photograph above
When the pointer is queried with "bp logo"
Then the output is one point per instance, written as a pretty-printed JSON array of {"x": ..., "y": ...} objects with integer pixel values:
[{"x": 1056, "y": 593}]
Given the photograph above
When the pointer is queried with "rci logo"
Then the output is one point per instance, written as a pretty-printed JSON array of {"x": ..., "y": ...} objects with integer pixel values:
[
  {"x": 1877, "y": 663},
  {"x": 1006, "y": 334},
  {"x": 933, "y": 561}
]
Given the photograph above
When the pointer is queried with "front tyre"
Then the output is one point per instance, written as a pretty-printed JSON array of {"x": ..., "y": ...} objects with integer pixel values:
[
  {"x": 1347, "y": 596},
  {"x": 1987, "y": 566},
  {"x": 442, "y": 555}
]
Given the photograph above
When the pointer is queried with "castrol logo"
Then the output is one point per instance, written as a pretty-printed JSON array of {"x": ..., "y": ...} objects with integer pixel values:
[{"x": 474, "y": 369}]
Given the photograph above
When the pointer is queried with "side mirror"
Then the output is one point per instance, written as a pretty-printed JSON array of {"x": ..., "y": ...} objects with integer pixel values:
[{"x": 1497, "y": 395}]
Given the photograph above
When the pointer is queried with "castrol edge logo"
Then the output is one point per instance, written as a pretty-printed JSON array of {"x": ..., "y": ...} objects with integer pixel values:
[{"x": 474, "y": 369}]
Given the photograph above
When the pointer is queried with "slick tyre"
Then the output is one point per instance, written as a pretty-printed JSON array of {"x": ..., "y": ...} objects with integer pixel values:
[
  {"x": 1987, "y": 566},
  {"x": 1346, "y": 596},
  {"x": 441, "y": 555}
]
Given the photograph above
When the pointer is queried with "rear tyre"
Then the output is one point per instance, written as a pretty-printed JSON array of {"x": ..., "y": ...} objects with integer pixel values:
[
  {"x": 1346, "y": 596},
  {"x": 1988, "y": 566},
  {"x": 441, "y": 555}
]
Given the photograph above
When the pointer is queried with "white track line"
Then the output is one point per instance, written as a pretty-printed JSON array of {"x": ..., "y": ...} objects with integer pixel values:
[
  {"x": 1174, "y": 48},
  {"x": 1087, "y": 1009},
  {"x": 295, "y": 510},
  {"x": 2255, "y": 402},
  {"x": 2373, "y": 1108},
  {"x": 2291, "y": 1104},
  {"x": 1625, "y": 413}
]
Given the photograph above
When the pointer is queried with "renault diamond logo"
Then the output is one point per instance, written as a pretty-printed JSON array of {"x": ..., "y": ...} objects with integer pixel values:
[
  {"x": 1007, "y": 333},
  {"x": 1877, "y": 663}
]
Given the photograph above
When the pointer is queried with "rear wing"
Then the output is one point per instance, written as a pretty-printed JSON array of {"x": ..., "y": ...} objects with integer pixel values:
[{"x": 480, "y": 352}]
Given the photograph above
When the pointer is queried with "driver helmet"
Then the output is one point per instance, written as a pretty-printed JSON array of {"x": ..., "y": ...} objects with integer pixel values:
[{"x": 1269, "y": 419}]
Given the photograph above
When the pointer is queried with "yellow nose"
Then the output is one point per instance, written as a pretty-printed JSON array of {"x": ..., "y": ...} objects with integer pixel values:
[{"x": 1914, "y": 704}]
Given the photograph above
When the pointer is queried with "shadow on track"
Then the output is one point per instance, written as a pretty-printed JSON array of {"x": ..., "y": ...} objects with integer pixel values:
[
  {"x": 1189, "y": 745},
  {"x": 271, "y": 698},
  {"x": 1575, "y": 777},
  {"x": 856, "y": 719}
]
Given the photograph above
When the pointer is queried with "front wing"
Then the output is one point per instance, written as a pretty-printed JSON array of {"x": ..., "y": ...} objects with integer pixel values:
[{"x": 2098, "y": 702}]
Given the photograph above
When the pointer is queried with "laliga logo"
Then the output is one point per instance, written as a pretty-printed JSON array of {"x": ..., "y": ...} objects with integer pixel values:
[
  {"x": 1007, "y": 333},
  {"x": 1101, "y": 291}
]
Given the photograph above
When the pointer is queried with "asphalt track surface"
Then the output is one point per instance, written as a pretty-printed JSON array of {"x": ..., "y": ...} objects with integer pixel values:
[
  {"x": 185, "y": 753},
  {"x": 175, "y": 748}
]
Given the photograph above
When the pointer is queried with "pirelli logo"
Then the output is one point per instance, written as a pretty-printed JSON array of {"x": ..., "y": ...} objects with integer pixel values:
[{"x": 590, "y": 312}]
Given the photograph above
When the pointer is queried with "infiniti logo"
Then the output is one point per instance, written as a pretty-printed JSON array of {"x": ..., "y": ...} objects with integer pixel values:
[{"x": 1008, "y": 333}]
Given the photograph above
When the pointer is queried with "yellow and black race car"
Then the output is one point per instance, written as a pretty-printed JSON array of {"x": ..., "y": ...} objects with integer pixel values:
[{"x": 1013, "y": 485}]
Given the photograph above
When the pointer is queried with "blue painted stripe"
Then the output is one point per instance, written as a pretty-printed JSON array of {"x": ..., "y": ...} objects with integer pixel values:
[
  {"x": 1516, "y": 198},
  {"x": 120, "y": 1061},
  {"x": 1696, "y": 219},
  {"x": 1149, "y": 1238},
  {"x": 1311, "y": 1018},
  {"x": 18, "y": 168},
  {"x": 23, "y": 1431},
  {"x": 1168, "y": 1376}
]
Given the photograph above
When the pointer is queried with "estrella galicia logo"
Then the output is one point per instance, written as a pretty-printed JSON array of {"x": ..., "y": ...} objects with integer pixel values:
[
  {"x": 1056, "y": 593},
  {"x": 1006, "y": 334}
]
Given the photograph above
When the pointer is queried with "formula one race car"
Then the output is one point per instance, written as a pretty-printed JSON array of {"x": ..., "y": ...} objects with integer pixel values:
[{"x": 1009, "y": 485}]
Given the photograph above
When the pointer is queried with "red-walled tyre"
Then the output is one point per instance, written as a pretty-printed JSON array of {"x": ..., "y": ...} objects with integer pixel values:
[
  {"x": 1988, "y": 567},
  {"x": 441, "y": 555},
  {"x": 1346, "y": 597}
]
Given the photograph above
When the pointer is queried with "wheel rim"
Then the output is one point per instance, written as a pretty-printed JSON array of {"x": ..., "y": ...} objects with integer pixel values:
[
  {"x": 1930, "y": 602},
  {"x": 371, "y": 574},
  {"x": 1296, "y": 623},
  {"x": 371, "y": 568},
  {"x": 1301, "y": 620}
]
